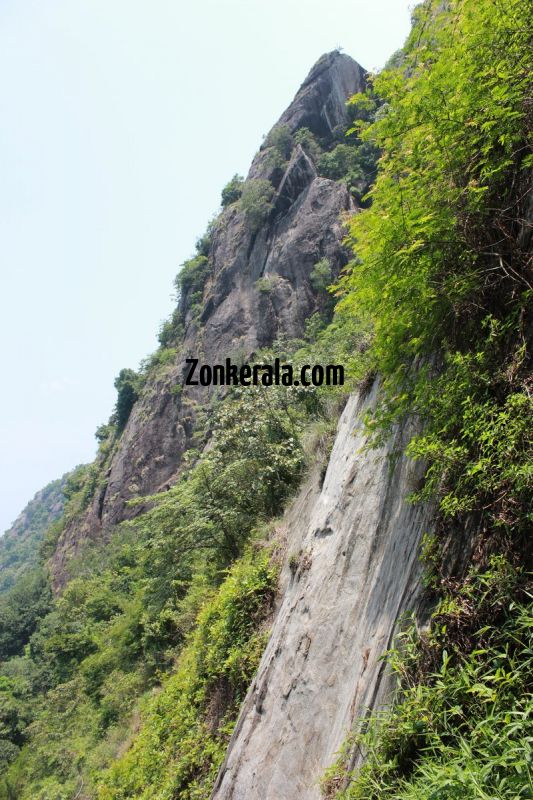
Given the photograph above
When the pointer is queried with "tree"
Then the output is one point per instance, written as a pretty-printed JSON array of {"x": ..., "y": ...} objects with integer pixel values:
[
  {"x": 232, "y": 190},
  {"x": 256, "y": 202},
  {"x": 280, "y": 138},
  {"x": 20, "y": 611},
  {"x": 127, "y": 385},
  {"x": 321, "y": 275}
]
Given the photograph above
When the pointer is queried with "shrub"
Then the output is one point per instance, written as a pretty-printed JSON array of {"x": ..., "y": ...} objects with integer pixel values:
[
  {"x": 264, "y": 285},
  {"x": 465, "y": 731},
  {"x": 232, "y": 190},
  {"x": 256, "y": 202},
  {"x": 192, "y": 275},
  {"x": 21, "y": 608},
  {"x": 353, "y": 164},
  {"x": 320, "y": 276},
  {"x": 439, "y": 270},
  {"x": 203, "y": 243},
  {"x": 186, "y": 727},
  {"x": 280, "y": 138},
  {"x": 308, "y": 141},
  {"x": 171, "y": 330},
  {"x": 127, "y": 384}
]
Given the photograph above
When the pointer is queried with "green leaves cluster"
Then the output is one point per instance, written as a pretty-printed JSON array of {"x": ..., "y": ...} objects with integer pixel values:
[
  {"x": 256, "y": 201},
  {"x": 131, "y": 607},
  {"x": 250, "y": 468},
  {"x": 19, "y": 546},
  {"x": 186, "y": 727},
  {"x": 441, "y": 276},
  {"x": 465, "y": 731},
  {"x": 128, "y": 384},
  {"x": 192, "y": 276},
  {"x": 442, "y": 284},
  {"x": 232, "y": 191}
]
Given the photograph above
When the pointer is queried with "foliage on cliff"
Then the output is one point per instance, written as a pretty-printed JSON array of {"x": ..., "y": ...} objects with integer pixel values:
[
  {"x": 179, "y": 600},
  {"x": 19, "y": 546},
  {"x": 465, "y": 729},
  {"x": 443, "y": 271},
  {"x": 443, "y": 282},
  {"x": 128, "y": 684},
  {"x": 186, "y": 727}
]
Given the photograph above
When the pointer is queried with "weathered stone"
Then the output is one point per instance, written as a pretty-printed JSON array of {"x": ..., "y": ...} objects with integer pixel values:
[
  {"x": 237, "y": 318},
  {"x": 355, "y": 542}
]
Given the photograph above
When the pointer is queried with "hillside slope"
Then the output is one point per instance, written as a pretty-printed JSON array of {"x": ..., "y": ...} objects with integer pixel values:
[
  {"x": 252, "y": 284},
  {"x": 19, "y": 546},
  {"x": 288, "y": 591}
]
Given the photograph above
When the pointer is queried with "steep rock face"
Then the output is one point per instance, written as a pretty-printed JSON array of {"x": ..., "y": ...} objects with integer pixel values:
[
  {"x": 356, "y": 543},
  {"x": 238, "y": 317},
  {"x": 320, "y": 103}
]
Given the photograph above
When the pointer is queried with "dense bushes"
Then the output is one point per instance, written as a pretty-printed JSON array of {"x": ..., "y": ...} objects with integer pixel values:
[
  {"x": 21, "y": 608},
  {"x": 186, "y": 728},
  {"x": 440, "y": 275},
  {"x": 464, "y": 730},
  {"x": 253, "y": 462},
  {"x": 256, "y": 202},
  {"x": 280, "y": 138},
  {"x": 321, "y": 277},
  {"x": 308, "y": 141},
  {"x": 462, "y": 722},
  {"x": 442, "y": 283},
  {"x": 19, "y": 546},
  {"x": 127, "y": 384},
  {"x": 132, "y": 607},
  {"x": 354, "y": 164},
  {"x": 192, "y": 275},
  {"x": 232, "y": 190}
]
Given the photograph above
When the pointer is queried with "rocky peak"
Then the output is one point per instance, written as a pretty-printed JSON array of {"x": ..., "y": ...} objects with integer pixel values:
[
  {"x": 319, "y": 105},
  {"x": 320, "y": 102},
  {"x": 257, "y": 286}
]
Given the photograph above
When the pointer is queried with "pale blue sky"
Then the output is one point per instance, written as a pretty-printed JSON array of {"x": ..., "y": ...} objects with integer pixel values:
[{"x": 121, "y": 120}]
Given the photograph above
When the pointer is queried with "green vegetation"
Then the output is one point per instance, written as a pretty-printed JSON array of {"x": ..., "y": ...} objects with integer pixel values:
[
  {"x": 321, "y": 276},
  {"x": 203, "y": 243},
  {"x": 127, "y": 384},
  {"x": 178, "y": 600},
  {"x": 265, "y": 284},
  {"x": 279, "y": 144},
  {"x": 19, "y": 546},
  {"x": 442, "y": 284},
  {"x": 232, "y": 191},
  {"x": 187, "y": 726},
  {"x": 256, "y": 202},
  {"x": 171, "y": 330},
  {"x": 20, "y": 610},
  {"x": 464, "y": 730},
  {"x": 353, "y": 165},
  {"x": 129, "y": 683},
  {"x": 192, "y": 276},
  {"x": 440, "y": 277},
  {"x": 306, "y": 139}
]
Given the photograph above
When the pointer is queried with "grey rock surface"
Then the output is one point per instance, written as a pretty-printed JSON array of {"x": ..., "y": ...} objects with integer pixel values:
[
  {"x": 238, "y": 318},
  {"x": 357, "y": 541}
]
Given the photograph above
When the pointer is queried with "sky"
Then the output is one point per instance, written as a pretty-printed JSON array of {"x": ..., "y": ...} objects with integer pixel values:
[{"x": 120, "y": 122}]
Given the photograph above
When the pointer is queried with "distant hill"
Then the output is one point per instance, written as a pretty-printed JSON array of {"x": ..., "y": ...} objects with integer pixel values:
[{"x": 19, "y": 546}]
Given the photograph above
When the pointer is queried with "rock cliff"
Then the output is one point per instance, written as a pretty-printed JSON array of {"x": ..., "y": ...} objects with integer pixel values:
[
  {"x": 303, "y": 226},
  {"x": 351, "y": 573}
]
